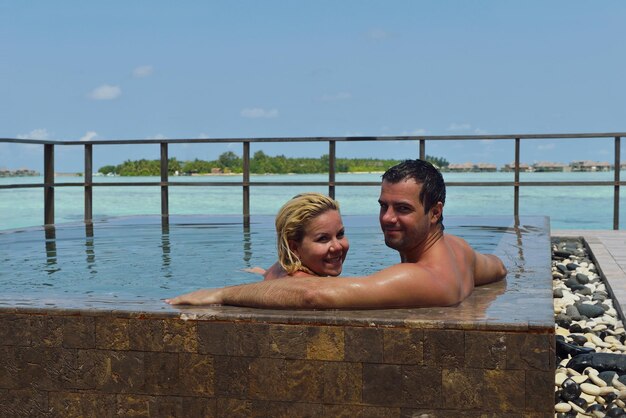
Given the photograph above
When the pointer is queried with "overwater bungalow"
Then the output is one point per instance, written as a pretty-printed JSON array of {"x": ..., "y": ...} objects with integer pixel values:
[
  {"x": 587, "y": 165},
  {"x": 486, "y": 168},
  {"x": 461, "y": 168},
  {"x": 547, "y": 166},
  {"x": 523, "y": 167},
  {"x": 472, "y": 168}
]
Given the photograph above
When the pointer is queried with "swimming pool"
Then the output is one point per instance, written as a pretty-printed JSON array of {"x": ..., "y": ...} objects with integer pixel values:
[
  {"x": 84, "y": 332},
  {"x": 136, "y": 258}
]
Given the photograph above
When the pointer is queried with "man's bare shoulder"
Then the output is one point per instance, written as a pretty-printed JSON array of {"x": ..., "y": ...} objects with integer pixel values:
[
  {"x": 461, "y": 249},
  {"x": 456, "y": 241}
]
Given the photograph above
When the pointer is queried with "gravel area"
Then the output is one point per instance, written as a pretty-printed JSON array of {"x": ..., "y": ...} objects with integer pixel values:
[{"x": 590, "y": 377}]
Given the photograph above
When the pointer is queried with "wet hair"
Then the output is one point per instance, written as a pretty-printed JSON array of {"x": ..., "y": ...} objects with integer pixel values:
[
  {"x": 291, "y": 222},
  {"x": 424, "y": 173}
]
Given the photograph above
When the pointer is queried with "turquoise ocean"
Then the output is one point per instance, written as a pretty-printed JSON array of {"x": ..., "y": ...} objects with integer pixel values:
[{"x": 580, "y": 207}]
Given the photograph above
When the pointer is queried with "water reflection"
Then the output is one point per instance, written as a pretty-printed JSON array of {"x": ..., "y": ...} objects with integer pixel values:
[
  {"x": 166, "y": 258},
  {"x": 51, "y": 249},
  {"x": 247, "y": 245},
  {"x": 89, "y": 247}
]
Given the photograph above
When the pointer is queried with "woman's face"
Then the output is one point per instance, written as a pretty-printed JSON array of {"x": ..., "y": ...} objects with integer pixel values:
[{"x": 324, "y": 245}]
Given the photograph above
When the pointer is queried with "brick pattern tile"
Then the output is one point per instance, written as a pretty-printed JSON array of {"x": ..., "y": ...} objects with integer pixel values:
[{"x": 77, "y": 365}]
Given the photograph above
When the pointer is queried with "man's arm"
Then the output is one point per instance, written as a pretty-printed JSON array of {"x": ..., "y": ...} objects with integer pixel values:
[
  {"x": 488, "y": 269},
  {"x": 402, "y": 285}
]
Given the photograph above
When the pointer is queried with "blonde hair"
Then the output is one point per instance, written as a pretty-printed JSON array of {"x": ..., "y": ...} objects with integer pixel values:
[{"x": 291, "y": 221}]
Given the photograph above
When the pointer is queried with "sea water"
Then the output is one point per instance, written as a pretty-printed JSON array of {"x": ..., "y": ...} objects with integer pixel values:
[{"x": 580, "y": 207}]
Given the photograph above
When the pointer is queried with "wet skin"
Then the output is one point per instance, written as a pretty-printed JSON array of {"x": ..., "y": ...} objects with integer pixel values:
[{"x": 436, "y": 269}]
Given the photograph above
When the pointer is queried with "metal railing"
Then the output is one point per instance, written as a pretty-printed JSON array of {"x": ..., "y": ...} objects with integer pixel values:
[{"x": 49, "y": 183}]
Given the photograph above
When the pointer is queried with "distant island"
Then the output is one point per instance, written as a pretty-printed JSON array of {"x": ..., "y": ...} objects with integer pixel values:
[
  {"x": 21, "y": 172},
  {"x": 260, "y": 163}
]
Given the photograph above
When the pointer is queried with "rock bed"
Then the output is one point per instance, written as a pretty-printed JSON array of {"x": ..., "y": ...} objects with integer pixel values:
[{"x": 590, "y": 377}]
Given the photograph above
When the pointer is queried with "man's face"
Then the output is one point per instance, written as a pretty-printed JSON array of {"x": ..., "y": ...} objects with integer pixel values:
[{"x": 402, "y": 218}]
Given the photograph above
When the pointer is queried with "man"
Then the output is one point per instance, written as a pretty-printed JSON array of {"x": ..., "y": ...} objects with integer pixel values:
[{"x": 436, "y": 269}]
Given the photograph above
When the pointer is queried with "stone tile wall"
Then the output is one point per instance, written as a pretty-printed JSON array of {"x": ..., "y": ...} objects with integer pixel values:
[{"x": 90, "y": 363}]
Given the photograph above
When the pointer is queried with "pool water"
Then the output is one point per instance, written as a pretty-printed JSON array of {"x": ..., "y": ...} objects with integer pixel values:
[{"x": 135, "y": 258}]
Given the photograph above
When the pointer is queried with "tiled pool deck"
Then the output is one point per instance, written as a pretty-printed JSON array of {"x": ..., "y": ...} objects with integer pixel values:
[
  {"x": 493, "y": 355},
  {"x": 609, "y": 249}
]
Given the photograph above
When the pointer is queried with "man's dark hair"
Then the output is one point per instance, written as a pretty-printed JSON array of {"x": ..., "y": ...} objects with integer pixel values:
[{"x": 424, "y": 173}]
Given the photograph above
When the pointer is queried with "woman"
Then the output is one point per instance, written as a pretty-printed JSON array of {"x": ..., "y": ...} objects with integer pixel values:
[{"x": 310, "y": 238}]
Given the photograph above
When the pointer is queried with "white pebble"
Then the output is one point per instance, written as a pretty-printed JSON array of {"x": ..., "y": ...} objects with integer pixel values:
[
  {"x": 561, "y": 331},
  {"x": 572, "y": 372},
  {"x": 598, "y": 342},
  {"x": 590, "y": 388},
  {"x": 576, "y": 407},
  {"x": 607, "y": 389},
  {"x": 559, "y": 378},
  {"x": 588, "y": 398},
  {"x": 562, "y": 407},
  {"x": 618, "y": 385},
  {"x": 612, "y": 340},
  {"x": 597, "y": 381}
]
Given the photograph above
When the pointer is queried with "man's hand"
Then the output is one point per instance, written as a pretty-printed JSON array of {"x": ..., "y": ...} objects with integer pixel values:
[{"x": 199, "y": 297}]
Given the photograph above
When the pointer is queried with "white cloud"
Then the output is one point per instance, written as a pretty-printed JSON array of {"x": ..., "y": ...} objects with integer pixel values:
[
  {"x": 158, "y": 136},
  {"x": 91, "y": 135},
  {"x": 479, "y": 131},
  {"x": 105, "y": 92},
  {"x": 142, "y": 71},
  {"x": 336, "y": 97},
  {"x": 378, "y": 34},
  {"x": 257, "y": 112},
  {"x": 459, "y": 127},
  {"x": 40, "y": 134},
  {"x": 414, "y": 132},
  {"x": 545, "y": 147}
]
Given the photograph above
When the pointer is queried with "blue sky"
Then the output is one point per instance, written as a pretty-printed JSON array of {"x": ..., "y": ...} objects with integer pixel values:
[{"x": 72, "y": 70}]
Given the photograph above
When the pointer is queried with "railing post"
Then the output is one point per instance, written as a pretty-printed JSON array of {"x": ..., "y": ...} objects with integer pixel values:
[
  {"x": 165, "y": 211},
  {"x": 246, "y": 184},
  {"x": 88, "y": 177},
  {"x": 616, "y": 186},
  {"x": 331, "y": 168},
  {"x": 422, "y": 149},
  {"x": 516, "y": 181},
  {"x": 48, "y": 187}
]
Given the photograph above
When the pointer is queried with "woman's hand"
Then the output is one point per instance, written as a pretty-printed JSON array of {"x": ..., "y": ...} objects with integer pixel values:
[{"x": 255, "y": 270}]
